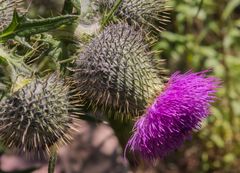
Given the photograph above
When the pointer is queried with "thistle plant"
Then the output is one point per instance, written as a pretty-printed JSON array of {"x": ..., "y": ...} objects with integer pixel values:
[
  {"x": 112, "y": 72},
  {"x": 38, "y": 116},
  {"x": 115, "y": 72}
]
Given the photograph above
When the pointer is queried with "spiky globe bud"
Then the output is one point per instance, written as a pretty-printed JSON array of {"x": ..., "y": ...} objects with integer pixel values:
[
  {"x": 38, "y": 116},
  {"x": 151, "y": 13},
  {"x": 7, "y": 8},
  {"x": 174, "y": 114},
  {"x": 115, "y": 71}
]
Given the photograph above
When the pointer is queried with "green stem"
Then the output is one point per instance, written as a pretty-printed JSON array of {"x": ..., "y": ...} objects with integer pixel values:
[
  {"x": 199, "y": 8},
  {"x": 67, "y": 60},
  {"x": 110, "y": 14},
  {"x": 67, "y": 7},
  {"x": 52, "y": 162}
]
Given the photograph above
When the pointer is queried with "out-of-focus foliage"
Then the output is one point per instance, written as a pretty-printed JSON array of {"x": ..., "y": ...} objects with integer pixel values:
[{"x": 204, "y": 36}]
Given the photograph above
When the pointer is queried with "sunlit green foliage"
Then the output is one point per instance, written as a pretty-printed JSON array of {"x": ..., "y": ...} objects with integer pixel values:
[{"x": 205, "y": 36}]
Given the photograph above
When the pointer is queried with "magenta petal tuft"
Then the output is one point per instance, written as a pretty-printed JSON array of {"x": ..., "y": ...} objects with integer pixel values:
[{"x": 175, "y": 113}]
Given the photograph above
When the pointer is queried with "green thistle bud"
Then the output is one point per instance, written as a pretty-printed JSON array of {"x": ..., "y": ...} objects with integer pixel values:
[
  {"x": 38, "y": 116},
  {"x": 151, "y": 13},
  {"x": 7, "y": 8},
  {"x": 115, "y": 72}
]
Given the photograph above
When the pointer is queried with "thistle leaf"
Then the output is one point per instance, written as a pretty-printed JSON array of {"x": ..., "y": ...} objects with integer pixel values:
[
  {"x": 7, "y": 8},
  {"x": 22, "y": 26}
]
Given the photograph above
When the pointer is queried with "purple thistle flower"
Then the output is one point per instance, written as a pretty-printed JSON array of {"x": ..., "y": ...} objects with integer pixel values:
[{"x": 175, "y": 113}]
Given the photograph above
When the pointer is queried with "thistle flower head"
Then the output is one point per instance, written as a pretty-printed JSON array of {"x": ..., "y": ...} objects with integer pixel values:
[
  {"x": 151, "y": 13},
  {"x": 7, "y": 8},
  {"x": 38, "y": 116},
  {"x": 175, "y": 113},
  {"x": 115, "y": 71}
]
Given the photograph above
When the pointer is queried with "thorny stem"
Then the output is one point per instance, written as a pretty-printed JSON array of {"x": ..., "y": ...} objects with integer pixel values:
[{"x": 110, "y": 14}]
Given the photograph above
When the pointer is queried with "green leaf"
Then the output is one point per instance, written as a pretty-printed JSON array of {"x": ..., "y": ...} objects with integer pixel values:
[
  {"x": 229, "y": 9},
  {"x": 23, "y": 27},
  {"x": 218, "y": 141},
  {"x": 229, "y": 158},
  {"x": 3, "y": 56},
  {"x": 13, "y": 25}
]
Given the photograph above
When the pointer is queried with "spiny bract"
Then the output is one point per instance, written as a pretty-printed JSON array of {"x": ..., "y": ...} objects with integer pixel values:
[
  {"x": 115, "y": 71},
  {"x": 152, "y": 13},
  {"x": 38, "y": 116},
  {"x": 7, "y": 8}
]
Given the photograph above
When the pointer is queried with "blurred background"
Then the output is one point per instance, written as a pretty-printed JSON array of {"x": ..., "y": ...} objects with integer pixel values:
[
  {"x": 201, "y": 35},
  {"x": 206, "y": 35}
]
